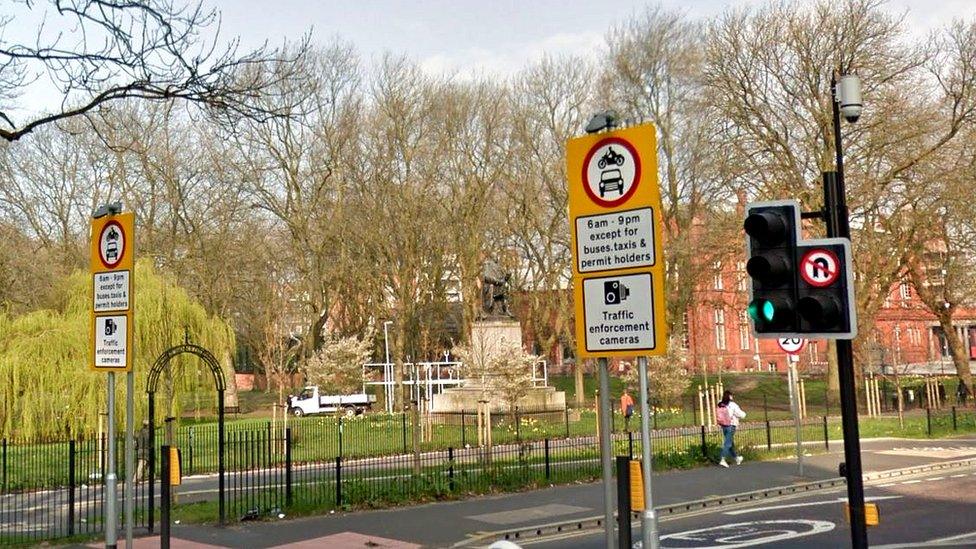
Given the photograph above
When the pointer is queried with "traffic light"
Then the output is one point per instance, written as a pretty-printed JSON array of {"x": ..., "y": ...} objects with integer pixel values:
[
  {"x": 772, "y": 231},
  {"x": 799, "y": 287}
]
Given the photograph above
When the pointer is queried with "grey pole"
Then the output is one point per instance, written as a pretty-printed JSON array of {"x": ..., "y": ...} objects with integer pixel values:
[
  {"x": 795, "y": 405},
  {"x": 111, "y": 490},
  {"x": 649, "y": 533},
  {"x": 606, "y": 450},
  {"x": 130, "y": 458}
]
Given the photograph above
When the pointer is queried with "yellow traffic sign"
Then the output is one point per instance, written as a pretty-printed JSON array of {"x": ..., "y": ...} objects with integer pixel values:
[
  {"x": 615, "y": 222},
  {"x": 112, "y": 330}
]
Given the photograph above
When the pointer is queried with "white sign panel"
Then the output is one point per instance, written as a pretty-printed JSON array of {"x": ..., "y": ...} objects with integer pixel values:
[
  {"x": 110, "y": 341},
  {"x": 111, "y": 291},
  {"x": 619, "y": 240},
  {"x": 618, "y": 312}
]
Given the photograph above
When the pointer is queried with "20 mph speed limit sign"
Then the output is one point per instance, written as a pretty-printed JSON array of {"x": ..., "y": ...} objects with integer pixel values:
[{"x": 792, "y": 345}]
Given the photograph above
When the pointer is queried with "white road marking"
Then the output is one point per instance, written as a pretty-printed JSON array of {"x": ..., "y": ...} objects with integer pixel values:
[
  {"x": 748, "y": 534},
  {"x": 935, "y": 478},
  {"x": 808, "y": 504},
  {"x": 911, "y": 482},
  {"x": 957, "y": 476},
  {"x": 887, "y": 485}
]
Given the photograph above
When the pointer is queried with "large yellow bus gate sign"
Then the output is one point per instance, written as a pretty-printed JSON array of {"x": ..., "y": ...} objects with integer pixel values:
[
  {"x": 112, "y": 252},
  {"x": 615, "y": 223}
]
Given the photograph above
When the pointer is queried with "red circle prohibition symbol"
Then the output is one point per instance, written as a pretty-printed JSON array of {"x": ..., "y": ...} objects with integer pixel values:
[
  {"x": 120, "y": 252},
  {"x": 637, "y": 172},
  {"x": 820, "y": 260}
]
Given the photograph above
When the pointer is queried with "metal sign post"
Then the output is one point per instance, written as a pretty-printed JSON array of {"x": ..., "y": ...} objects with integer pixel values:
[
  {"x": 112, "y": 335},
  {"x": 793, "y": 380},
  {"x": 606, "y": 459},
  {"x": 649, "y": 535},
  {"x": 618, "y": 272}
]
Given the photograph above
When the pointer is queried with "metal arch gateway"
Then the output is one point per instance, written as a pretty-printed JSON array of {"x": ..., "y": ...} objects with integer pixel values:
[{"x": 153, "y": 383}]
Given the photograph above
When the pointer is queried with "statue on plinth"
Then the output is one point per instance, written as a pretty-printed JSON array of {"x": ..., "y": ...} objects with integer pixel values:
[{"x": 494, "y": 292}]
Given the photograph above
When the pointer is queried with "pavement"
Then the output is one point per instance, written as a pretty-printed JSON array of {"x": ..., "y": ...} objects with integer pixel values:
[{"x": 444, "y": 524}]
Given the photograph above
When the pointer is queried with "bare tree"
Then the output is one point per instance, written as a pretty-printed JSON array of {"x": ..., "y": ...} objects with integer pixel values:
[
  {"x": 551, "y": 102},
  {"x": 94, "y": 52},
  {"x": 767, "y": 74}
]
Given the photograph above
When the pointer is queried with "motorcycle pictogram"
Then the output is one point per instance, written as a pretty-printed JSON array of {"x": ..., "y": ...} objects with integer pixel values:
[{"x": 610, "y": 157}]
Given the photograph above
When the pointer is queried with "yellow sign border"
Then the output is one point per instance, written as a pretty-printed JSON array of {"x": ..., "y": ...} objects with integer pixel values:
[
  {"x": 643, "y": 140},
  {"x": 126, "y": 221}
]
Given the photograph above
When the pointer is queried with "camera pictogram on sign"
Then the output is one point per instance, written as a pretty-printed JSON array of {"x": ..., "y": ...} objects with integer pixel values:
[{"x": 614, "y": 292}]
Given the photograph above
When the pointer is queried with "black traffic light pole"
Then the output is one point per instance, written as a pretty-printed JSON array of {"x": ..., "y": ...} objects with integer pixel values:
[{"x": 836, "y": 218}]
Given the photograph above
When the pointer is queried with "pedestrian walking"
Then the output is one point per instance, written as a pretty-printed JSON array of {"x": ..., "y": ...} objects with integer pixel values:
[
  {"x": 626, "y": 408},
  {"x": 962, "y": 393},
  {"x": 728, "y": 414}
]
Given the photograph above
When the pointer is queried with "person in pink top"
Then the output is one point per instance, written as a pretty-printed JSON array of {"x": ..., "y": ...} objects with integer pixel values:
[{"x": 728, "y": 414}]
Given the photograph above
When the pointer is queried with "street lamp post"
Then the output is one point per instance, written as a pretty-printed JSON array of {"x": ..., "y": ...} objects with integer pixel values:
[{"x": 846, "y": 98}]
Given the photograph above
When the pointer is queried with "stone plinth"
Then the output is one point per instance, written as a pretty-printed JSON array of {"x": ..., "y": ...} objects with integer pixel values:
[{"x": 487, "y": 338}]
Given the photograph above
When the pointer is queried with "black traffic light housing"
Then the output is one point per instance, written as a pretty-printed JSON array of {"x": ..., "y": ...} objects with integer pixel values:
[{"x": 799, "y": 287}]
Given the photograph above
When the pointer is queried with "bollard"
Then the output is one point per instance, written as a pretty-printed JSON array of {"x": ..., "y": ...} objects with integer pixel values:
[
  {"x": 450, "y": 468},
  {"x": 769, "y": 437},
  {"x": 566, "y": 414},
  {"x": 547, "y": 458},
  {"x": 71, "y": 487},
  {"x": 164, "y": 498},
  {"x": 463, "y": 445},
  {"x": 403, "y": 429},
  {"x": 928, "y": 419},
  {"x": 826, "y": 434},
  {"x": 704, "y": 447},
  {"x": 288, "y": 494},
  {"x": 623, "y": 502},
  {"x": 338, "y": 477},
  {"x": 954, "y": 427}
]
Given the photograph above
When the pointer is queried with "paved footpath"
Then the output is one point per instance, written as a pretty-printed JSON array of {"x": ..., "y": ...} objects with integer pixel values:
[{"x": 443, "y": 524}]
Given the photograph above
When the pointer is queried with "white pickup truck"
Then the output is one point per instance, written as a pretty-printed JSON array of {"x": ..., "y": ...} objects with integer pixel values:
[{"x": 309, "y": 401}]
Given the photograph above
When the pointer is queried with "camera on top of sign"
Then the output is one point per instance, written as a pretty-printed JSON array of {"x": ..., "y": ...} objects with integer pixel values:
[{"x": 611, "y": 172}]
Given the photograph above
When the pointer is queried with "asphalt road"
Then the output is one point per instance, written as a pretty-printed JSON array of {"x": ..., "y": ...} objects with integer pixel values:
[{"x": 938, "y": 508}]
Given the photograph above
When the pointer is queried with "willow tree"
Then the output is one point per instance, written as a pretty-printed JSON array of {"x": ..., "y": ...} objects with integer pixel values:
[{"x": 46, "y": 387}]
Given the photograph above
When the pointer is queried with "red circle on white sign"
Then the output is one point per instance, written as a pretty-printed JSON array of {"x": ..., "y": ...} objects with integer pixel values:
[
  {"x": 611, "y": 172},
  {"x": 111, "y": 244},
  {"x": 791, "y": 345},
  {"x": 820, "y": 267}
]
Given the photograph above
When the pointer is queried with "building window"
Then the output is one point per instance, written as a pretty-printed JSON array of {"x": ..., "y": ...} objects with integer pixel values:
[
  {"x": 686, "y": 331},
  {"x": 905, "y": 293},
  {"x": 720, "y": 329},
  {"x": 718, "y": 285},
  {"x": 740, "y": 271},
  {"x": 744, "y": 331}
]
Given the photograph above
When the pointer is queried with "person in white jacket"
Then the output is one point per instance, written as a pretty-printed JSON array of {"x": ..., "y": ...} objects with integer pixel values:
[{"x": 728, "y": 414}]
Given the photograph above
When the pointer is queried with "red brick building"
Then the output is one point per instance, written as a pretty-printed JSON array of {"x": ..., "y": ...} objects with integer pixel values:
[{"x": 719, "y": 334}]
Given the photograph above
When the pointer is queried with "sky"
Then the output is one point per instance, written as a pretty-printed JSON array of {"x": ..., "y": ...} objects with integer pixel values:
[{"x": 493, "y": 38}]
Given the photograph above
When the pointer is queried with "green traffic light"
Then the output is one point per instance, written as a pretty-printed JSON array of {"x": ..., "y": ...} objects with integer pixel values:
[{"x": 762, "y": 310}]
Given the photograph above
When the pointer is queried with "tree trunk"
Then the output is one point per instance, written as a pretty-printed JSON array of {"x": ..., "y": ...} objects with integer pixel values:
[
  {"x": 959, "y": 356},
  {"x": 578, "y": 371},
  {"x": 230, "y": 380},
  {"x": 833, "y": 375}
]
